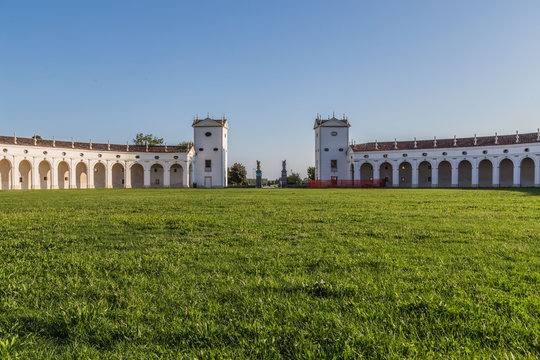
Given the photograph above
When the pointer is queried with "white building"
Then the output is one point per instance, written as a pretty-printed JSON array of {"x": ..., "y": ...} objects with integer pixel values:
[
  {"x": 30, "y": 163},
  {"x": 488, "y": 161}
]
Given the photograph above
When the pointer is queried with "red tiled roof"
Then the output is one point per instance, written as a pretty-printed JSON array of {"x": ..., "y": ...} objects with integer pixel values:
[
  {"x": 446, "y": 143},
  {"x": 95, "y": 146}
]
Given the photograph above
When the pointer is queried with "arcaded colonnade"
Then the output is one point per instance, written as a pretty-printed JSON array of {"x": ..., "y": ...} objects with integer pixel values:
[
  {"x": 47, "y": 164},
  {"x": 508, "y": 162}
]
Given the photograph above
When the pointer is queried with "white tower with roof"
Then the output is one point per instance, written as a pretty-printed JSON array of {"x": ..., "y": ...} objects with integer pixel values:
[{"x": 331, "y": 143}]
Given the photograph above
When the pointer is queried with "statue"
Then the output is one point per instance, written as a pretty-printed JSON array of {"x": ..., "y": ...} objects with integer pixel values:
[
  {"x": 284, "y": 174},
  {"x": 258, "y": 166},
  {"x": 259, "y": 175}
]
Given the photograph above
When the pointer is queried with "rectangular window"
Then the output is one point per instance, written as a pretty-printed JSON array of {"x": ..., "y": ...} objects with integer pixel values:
[
  {"x": 333, "y": 165},
  {"x": 208, "y": 165}
]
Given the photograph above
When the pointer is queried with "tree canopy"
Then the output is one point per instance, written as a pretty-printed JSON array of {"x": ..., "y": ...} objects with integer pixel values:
[
  {"x": 143, "y": 139},
  {"x": 311, "y": 173},
  {"x": 238, "y": 174},
  {"x": 294, "y": 179}
]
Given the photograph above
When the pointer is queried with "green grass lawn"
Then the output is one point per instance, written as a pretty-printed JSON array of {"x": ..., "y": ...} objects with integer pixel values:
[{"x": 247, "y": 273}]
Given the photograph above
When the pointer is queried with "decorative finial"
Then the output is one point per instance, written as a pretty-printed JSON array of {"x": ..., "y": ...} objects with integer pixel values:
[
  {"x": 90, "y": 144},
  {"x": 72, "y": 143},
  {"x": 53, "y": 142},
  {"x": 208, "y": 115},
  {"x": 127, "y": 145},
  {"x": 395, "y": 143},
  {"x": 165, "y": 147},
  {"x": 333, "y": 114},
  {"x": 15, "y": 138},
  {"x": 415, "y": 143},
  {"x": 517, "y": 137},
  {"x": 475, "y": 140},
  {"x": 146, "y": 146},
  {"x": 434, "y": 141},
  {"x": 35, "y": 139},
  {"x": 538, "y": 135},
  {"x": 376, "y": 145},
  {"x": 455, "y": 140},
  {"x": 108, "y": 144},
  {"x": 496, "y": 138}
]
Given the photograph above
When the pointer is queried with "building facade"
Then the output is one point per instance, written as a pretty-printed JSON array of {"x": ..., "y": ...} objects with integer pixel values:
[
  {"x": 488, "y": 161},
  {"x": 31, "y": 163}
]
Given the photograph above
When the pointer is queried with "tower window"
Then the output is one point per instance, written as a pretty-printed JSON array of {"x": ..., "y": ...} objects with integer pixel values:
[
  {"x": 215, "y": 149},
  {"x": 333, "y": 133},
  {"x": 201, "y": 149},
  {"x": 208, "y": 134},
  {"x": 340, "y": 149},
  {"x": 325, "y": 149},
  {"x": 333, "y": 165},
  {"x": 207, "y": 165}
]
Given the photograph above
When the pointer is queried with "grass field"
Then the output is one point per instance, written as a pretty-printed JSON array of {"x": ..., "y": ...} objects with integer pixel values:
[{"x": 246, "y": 273}]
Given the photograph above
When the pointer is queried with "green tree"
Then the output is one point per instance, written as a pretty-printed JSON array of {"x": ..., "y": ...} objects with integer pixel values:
[
  {"x": 294, "y": 179},
  {"x": 143, "y": 139},
  {"x": 186, "y": 143},
  {"x": 237, "y": 174},
  {"x": 311, "y": 173}
]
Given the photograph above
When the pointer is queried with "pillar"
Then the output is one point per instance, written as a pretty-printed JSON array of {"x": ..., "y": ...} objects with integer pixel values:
[
  {"x": 15, "y": 184},
  {"x": 146, "y": 176},
  {"x": 35, "y": 174},
  {"x": 455, "y": 173},
  {"x": 495, "y": 174},
  {"x": 537, "y": 172},
  {"x": 414, "y": 166},
  {"x": 376, "y": 171},
  {"x": 185, "y": 174},
  {"x": 517, "y": 174},
  {"x": 108, "y": 174},
  {"x": 91, "y": 173},
  {"x": 166, "y": 175},
  {"x": 395, "y": 174},
  {"x": 54, "y": 173},
  {"x": 72, "y": 174},
  {"x": 474, "y": 182},
  {"x": 127, "y": 175}
]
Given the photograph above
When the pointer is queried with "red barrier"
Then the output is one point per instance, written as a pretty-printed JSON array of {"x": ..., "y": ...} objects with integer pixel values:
[{"x": 347, "y": 183}]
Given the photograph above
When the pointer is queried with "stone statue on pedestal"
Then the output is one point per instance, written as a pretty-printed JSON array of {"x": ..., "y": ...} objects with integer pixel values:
[
  {"x": 259, "y": 175},
  {"x": 284, "y": 174}
]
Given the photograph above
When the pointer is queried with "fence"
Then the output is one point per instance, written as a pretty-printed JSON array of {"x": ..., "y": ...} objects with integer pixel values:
[{"x": 347, "y": 183}]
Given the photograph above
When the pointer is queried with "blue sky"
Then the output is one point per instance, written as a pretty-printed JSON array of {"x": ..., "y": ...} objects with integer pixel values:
[{"x": 398, "y": 69}]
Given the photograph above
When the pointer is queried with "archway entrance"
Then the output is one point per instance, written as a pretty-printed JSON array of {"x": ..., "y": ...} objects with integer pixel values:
[
  {"x": 25, "y": 174},
  {"x": 99, "y": 176},
  {"x": 81, "y": 176},
  {"x": 506, "y": 173},
  {"x": 63, "y": 175},
  {"x": 485, "y": 173},
  {"x": 465, "y": 174},
  {"x": 527, "y": 172},
  {"x": 5, "y": 174},
  {"x": 177, "y": 175},
  {"x": 405, "y": 174},
  {"x": 386, "y": 173},
  {"x": 445, "y": 174},
  {"x": 424, "y": 174},
  {"x": 156, "y": 176},
  {"x": 137, "y": 176},
  {"x": 44, "y": 169},
  {"x": 118, "y": 176},
  {"x": 366, "y": 172}
]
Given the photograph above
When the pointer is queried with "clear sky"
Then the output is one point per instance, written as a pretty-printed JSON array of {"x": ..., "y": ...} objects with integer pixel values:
[{"x": 398, "y": 69}]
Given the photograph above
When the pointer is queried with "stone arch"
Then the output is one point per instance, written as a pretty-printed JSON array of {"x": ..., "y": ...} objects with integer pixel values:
[
  {"x": 118, "y": 179},
  {"x": 25, "y": 174},
  {"x": 445, "y": 174},
  {"x": 527, "y": 172},
  {"x": 63, "y": 175},
  {"x": 386, "y": 172},
  {"x": 5, "y": 174},
  {"x": 366, "y": 172},
  {"x": 506, "y": 173},
  {"x": 81, "y": 175},
  {"x": 405, "y": 174},
  {"x": 137, "y": 176},
  {"x": 424, "y": 174},
  {"x": 44, "y": 173},
  {"x": 100, "y": 176},
  {"x": 177, "y": 176},
  {"x": 485, "y": 173},
  {"x": 156, "y": 175},
  {"x": 465, "y": 173}
]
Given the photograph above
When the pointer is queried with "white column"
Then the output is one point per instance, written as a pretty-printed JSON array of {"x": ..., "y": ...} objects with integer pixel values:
[
  {"x": 537, "y": 171},
  {"x": 35, "y": 174},
  {"x": 185, "y": 174},
  {"x": 414, "y": 166},
  {"x": 455, "y": 173},
  {"x": 395, "y": 174},
  {"x": 166, "y": 175},
  {"x": 108, "y": 174},
  {"x": 435, "y": 174},
  {"x": 495, "y": 176},
  {"x": 474, "y": 182},
  {"x": 72, "y": 174},
  {"x": 54, "y": 173},
  {"x": 376, "y": 171},
  {"x": 146, "y": 176},
  {"x": 127, "y": 175},
  {"x": 15, "y": 184},
  {"x": 91, "y": 173},
  {"x": 517, "y": 174}
]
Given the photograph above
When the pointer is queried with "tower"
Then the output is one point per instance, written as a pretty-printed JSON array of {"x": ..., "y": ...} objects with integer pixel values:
[
  {"x": 210, "y": 161},
  {"x": 331, "y": 144}
]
